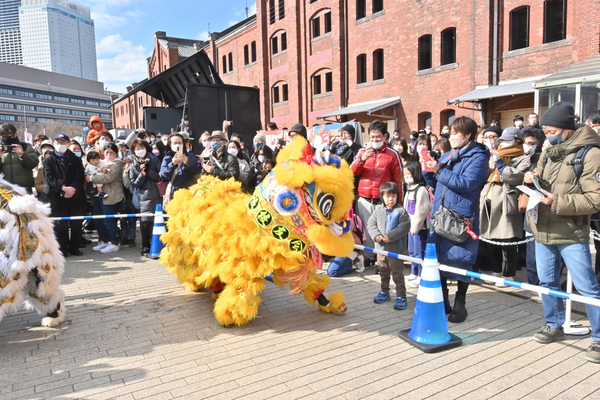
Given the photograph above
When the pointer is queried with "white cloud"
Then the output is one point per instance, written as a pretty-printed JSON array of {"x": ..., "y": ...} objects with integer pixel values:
[
  {"x": 203, "y": 35},
  {"x": 120, "y": 63}
]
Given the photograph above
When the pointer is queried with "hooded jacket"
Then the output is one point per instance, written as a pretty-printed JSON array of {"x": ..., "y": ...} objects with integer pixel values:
[
  {"x": 566, "y": 220},
  {"x": 93, "y": 133}
]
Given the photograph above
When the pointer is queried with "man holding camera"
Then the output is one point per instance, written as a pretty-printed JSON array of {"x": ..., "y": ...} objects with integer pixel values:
[
  {"x": 17, "y": 159},
  {"x": 218, "y": 162}
]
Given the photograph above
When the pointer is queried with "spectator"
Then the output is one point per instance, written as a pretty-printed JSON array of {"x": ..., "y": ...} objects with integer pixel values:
[
  {"x": 460, "y": 174},
  {"x": 490, "y": 137},
  {"x": 183, "y": 164},
  {"x": 374, "y": 166},
  {"x": 562, "y": 227},
  {"x": 96, "y": 128},
  {"x": 112, "y": 185},
  {"x": 158, "y": 150},
  {"x": 401, "y": 148},
  {"x": 496, "y": 123},
  {"x": 17, "y": 159},
  {"x": 499, "y": 216},
  {"x": 203, "y": 141},
  {"x": 480, "y": 133},
  {"x": 235, "y": 150},
  {"x": 75, "y": 147},
  {"x": 346, "y": 148},
  {"x": 143, "y": 175},
  {"x": 388, "y": 225},
  {"x": 64, "y": 176},
  {"x": 445, "y": 133},
  {"x": 417, "y": 203},
  {"x": 126, "y": 206},
  {"x": 220, "y": 163},
  {"x": 95, "y": 165},
  {"x": 529, "y": 148},
  {"x": 272, "y": 126},
  {"x": 259, "y": 141},
  {"x": 245, "y": 154},
  {"x": 536, "y": 129},
  {"x": 37, "y": 140},
  {"x": 42, "y": 190},
  {"x": 518, "y": 121},
  {"x": 298, "y": 129},
  {"x": 593, "y": 120}
]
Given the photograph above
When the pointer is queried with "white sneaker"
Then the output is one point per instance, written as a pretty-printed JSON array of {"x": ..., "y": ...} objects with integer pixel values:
[
  {"x": 110, "y": 248},
  {"x": 414, "y": 283},
  {"x": 411, "y": 277},
  {"x": 496, "y": 274},
  {"x": 100, "y": 246},
  {"x": 360, "y": 263},
  {"x": 500, "y": 284}
]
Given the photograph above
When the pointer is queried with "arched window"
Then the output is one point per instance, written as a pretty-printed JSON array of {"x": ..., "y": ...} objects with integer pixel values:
[
  {"x": 519, "y": 28},
  {"x": 424, "y": 52},
  {"x": 378, "y": 64},
  {"x": 280, "y": 92},
  {"x": 446, "y": 117},
  {"x": 424, "y": 119},
  {"x": 448, "y": 46},
  {"x": 322, "y": 82},
  {"x": 555, "y": 20},
  {"x": 361, "y": 68}
]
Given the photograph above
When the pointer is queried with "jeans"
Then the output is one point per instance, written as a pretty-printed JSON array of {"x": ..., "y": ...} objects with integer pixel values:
[
  {"x": 578, "y": 259},
  {"x": 107, "y": 228},
  {"x": 339, "y": 266},
  {"x": 128, "y": 228},
  {"x": 416, "y": 248}
]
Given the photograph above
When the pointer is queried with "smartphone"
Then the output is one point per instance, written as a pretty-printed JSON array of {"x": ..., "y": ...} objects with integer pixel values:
[
  {"x": 425, "y": 158},
  {"x": 281, "y": 142},
  {"x": 538, "y": 187}
]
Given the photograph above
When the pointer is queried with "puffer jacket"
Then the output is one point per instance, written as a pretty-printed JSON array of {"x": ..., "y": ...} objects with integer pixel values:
[
  {"x": 149, "y": 195},
  {"x": 112, "y": 182},
  {"x": 186, "y": 174},
  {"x": 93, "y": 133},
  {"x": 463, "y": 185},
  {"x": 18, "y": 169},
  {"x": 384, "y": 166},
  {"x": 566, "y": 220}
]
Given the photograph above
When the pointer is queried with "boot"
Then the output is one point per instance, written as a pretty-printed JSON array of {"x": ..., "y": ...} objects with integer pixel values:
[
  {"x": 459, "y": 312},
  {"x": 447, "y": 305}
]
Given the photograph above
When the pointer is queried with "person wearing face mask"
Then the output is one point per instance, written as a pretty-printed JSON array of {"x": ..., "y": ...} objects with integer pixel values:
[
  {"x": 259, "y": 141},
  {"x": 459, "y": 177},
  {"x": 220, "y": 162},
  {"x": 345, "y": 148},
  {"x": 536, "y": 129},
  {"x": 143, "y": 175},
  {"x": 96, "y": 128},
  {"x": 183, "y": 164},
  {"x": 46, "y": 148},
  {"x": 17, "y": 159},
  {"x": 593, "y": 120},
  {"x": 518, "y": 121},
  {"x": 64, "y": 176},
  {"x": 234, "y": 148},
  {"x": 499, "y": 216},
  {"x": 374, "y": 166},
  {"x": 562, "y": 226},
  {"x": 263, "y": 154}
]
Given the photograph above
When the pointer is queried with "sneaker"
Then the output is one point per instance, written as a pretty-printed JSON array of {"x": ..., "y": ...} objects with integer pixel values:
[
  {"x": 381, "y": 297},
  {"x": 593, "y": 353},
  {"x": 400, "y": 303},
  {"x": 414, "y": 283},
  {"x": 501, "y": 284},
  {"x": 496, "y": 274},
  {"x": 360, "y": 263},
  {"x": 110, "y": 248},
  {"x": 411, "y": 277},
  {"x": 100, "y": 246},
  {"x": 549, "y": 334}
]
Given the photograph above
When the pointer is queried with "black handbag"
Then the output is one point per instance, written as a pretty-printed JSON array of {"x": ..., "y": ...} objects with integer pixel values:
[{"x": 451, "y": 225}]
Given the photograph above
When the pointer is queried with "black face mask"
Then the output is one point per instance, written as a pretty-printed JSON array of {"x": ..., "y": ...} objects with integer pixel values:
[{"x": 8, "y": 140}]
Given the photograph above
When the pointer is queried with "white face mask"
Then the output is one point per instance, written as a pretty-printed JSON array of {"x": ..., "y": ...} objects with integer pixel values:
[
  {"x": 488, "y": 143},
  {"x": 446, "y": 132},
  {"x": 176, "y": 147},
  {"x": 205, "y": 143},
  {"x": 261, "y": 158},
  {"x": 349, "y": 142},
  {"x": 519, "y": 124},
  {"x": 165, "y": 140},
  {"x": 140, "y": 153},
  {"x": 421, "y": 148},
  {"x": 61, "y": 148},
  {"x": 506, "y": 143},
  {"x": 529, "y": 148},
  {"x": 409, "y": 181},
  {"x": 377, "y": 145},
  {"x": 103, "y": 143},
  {"x": 233, "y": 151}
]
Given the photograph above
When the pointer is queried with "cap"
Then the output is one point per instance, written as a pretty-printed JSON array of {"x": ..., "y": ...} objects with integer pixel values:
[
  {"x": 518, "y": 117},
  {"x": 509, "y": 133},
  {"x": 47, "y": 143},
  {"x": 185, "y": 135},
  {"x": 493, "y": 128},
  {"x": 62, "y": 136}
]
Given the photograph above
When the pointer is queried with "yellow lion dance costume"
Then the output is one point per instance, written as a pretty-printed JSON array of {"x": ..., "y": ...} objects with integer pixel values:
[{"x": 221, "y": 238}]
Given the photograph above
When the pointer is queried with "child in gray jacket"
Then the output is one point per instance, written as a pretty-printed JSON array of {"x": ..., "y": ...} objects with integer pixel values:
[{"x": 389, "y": 226}]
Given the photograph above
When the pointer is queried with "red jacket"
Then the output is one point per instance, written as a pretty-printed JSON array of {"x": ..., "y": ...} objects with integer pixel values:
[{"x": 383, "y": 167}]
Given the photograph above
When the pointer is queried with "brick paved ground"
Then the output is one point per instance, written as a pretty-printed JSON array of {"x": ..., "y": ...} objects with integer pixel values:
[{"x": 132, "y": 332}]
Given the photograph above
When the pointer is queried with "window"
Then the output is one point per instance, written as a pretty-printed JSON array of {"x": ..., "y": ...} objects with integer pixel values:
[
  {"x": 43, "y": 96},
  {"x": 378, "y": 64},
  {"x": 519, "y": 28},
  {"x": 377, "y": 6},
  {"x": 327, "y": 22},
  {"x": 61, "y": 111},
  {"x": 361, "y": 9},
  {"x": 7, "y": 105},
  {"x": 246, "y": 55},
  {"x": 448, "y": 46},
  {"x": 361, "y": 68},
  {"x": 253, "y": 51},
  {"x": 271, "y": 11},
  {"x": 22, "y": 93},
  {"x": 281, "y": 9},
  {"x": 425, "y": 52},
  {"x": 555, "y": 20},
  {"x": 230, "y": 62},
  {"x": 316, "y": 84},
  {"x": 224, "y": 64},
  {"x": 329, "y": 82},
  {"x": 446, "y": 117},
  {"x": 276, "y": 94},
  {"x": 77, "y": 101},
  {"x": 61, "y": 98},
  {"x": 26, "y": 108},
  {"x": 283, "y": 41},
  {"x": 46, "y": 109},
  {"x": 284, "y": 92},
  {"x": 424, "y": 119},
  {"x": 316, "y": 27},
  {"x": 274, "y": 46},
  {"x": 5, "y": 91}
]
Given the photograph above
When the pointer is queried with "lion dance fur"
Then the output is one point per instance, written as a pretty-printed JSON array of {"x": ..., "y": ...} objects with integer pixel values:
[
  {"x": 31, "y": 265},
  {"x": 228, "y": 241}
]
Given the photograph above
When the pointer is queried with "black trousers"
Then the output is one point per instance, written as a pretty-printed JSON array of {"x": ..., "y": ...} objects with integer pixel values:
[{"x": 62, "y": 207}]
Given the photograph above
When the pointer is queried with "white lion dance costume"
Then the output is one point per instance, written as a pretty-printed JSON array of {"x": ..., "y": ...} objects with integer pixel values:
[
  {"x": 31, "y": 265},
  {"x": 223, "y": 239}
]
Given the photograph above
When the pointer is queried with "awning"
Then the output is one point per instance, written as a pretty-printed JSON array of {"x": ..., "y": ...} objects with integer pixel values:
[
  {"x": 584, "y": 71},
  {"x": 368, "y": 106},
  {"x": 491, "y": 92}
]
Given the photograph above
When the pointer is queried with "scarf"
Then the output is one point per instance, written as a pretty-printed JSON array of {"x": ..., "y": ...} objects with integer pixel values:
[
  {"x": 506, "y": 154},
  {"x": 456, "y": 154}
]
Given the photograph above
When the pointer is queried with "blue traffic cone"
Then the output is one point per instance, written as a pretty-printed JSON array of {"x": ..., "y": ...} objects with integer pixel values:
[
  {"x": 429, "y": 332},
  {"x": 159, "y": 228}
]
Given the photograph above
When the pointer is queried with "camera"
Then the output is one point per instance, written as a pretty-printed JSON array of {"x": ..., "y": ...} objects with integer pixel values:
[
  {"x": 435, "y": 154},
  {"x": 7, "y": 148}
]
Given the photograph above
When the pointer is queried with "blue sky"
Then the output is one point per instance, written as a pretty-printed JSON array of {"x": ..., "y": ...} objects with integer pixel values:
[{"x": 125, "y": 31}]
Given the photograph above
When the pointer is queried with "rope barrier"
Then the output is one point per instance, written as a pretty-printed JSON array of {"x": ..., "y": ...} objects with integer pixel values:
[
  {"x": 507, "y": 282},
  {"x": 104, "y": 216}
]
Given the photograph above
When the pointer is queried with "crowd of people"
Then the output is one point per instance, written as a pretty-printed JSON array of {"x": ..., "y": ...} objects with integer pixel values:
[{"x": 405, "y": 188}]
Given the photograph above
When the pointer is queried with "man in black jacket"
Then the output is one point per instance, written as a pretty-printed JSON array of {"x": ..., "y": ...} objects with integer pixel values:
[
  {"x": 346, "y": 148},
  {"x": 220, "y": 163},
  {"x": 64, "y": 175}
]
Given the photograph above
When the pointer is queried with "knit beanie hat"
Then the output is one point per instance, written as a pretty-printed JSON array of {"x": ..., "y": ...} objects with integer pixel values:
[
  {"x": 492, "y": 128},
  {"x": 350, "y": 129},
  {"x": 260, "y": 136},
  {"x": 300, "y": 129},
  {"x": 560, "y": 115}
]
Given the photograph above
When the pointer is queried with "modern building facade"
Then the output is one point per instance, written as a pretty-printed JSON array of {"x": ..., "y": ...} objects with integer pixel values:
[
  {"x": 38, "y": 97},
  {"x": 10, "y": 34},
  {"x": 58, "y": 36}
]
